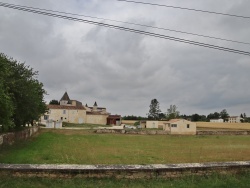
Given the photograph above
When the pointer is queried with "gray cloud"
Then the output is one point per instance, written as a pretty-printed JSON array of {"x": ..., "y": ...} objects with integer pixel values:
[{"x": 124, "y": 71}]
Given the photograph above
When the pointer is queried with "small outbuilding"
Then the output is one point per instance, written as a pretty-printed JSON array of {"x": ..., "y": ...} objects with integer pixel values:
[
  {"x": 114, "y": 120},
  {"x": 180, "y": 127}
]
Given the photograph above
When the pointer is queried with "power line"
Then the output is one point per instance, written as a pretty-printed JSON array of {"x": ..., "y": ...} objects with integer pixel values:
[
  {"x": 143, "y": 25},
  {"x": 127, "y": 29},
  {"x": 184, "y": 8}
]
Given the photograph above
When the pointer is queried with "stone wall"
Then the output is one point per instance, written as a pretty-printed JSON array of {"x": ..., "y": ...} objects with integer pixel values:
[
  {"x": 125, "y": 171},
  {"x": 132, "y": 131},
  {"x": 214, "y": 132},
  {"x": 11, "y": 138}
]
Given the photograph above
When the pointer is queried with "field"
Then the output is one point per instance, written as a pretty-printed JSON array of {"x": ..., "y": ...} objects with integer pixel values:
[
  {"x": 239, "y": 181},
  {"x": 228, "y": 126},
  {"x": 86, "y": 147}
]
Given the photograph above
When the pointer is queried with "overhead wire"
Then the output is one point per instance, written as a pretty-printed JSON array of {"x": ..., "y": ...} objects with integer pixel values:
[
  {"x": 184, "y": 8},
  {"x": 127, "y": 29},
  {"x": 137, "y": 24}
]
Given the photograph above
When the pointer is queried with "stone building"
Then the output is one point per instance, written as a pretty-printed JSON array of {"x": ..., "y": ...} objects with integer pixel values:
[
  {"x": 73, "y": 111},
  {"x": 180, "y": 127}
]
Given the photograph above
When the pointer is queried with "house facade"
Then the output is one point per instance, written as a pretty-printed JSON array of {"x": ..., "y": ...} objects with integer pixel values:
[
  {"x": 217, "y": 120},
  {"x": 234, "y": 119},
  {"x": 180, "y": 127},
  {"x": 73, "y": 111}
]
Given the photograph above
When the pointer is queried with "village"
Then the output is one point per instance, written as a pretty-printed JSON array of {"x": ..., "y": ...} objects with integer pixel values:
[{"x": 74, "y": 112}]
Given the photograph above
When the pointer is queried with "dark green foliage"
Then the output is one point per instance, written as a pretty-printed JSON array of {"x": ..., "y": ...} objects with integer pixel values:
[
  {"x": 224, "y": 115},
  {"x": 54, "y": 102},
  {"x": 214, "y": 115},
  {"x": 21, "y": 94},
  {"x": 132, "y": 117},
  {"x": 154, "y": 110},
  {"x": 172, "y": 112}
]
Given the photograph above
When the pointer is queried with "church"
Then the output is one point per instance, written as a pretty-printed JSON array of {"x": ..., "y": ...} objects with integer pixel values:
[{"x": 72, "y": 111}]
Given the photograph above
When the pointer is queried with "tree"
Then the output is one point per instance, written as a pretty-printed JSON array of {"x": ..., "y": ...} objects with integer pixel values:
[
  {"x": 154, "y": 110},
  {"x": 23, "y": 93},
  {"x": 6, "y": 104},
  {"x": 195, "y": 117},
  {"x": 54, "y": 102},
  {"x": 224, "y": 115},
  {"x": 214, "y": 115},
  {"x": 172, "y": 112}
]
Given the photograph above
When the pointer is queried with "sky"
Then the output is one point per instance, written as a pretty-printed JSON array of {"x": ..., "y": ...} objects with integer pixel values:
[{"x": 124, "y": 71}]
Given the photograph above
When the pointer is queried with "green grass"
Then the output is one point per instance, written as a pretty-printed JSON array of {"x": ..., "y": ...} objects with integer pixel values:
[
  {"x": 84, "y": 125},
  {"x": 85, "y": 147},
  {"x": 239, "y": 181}
]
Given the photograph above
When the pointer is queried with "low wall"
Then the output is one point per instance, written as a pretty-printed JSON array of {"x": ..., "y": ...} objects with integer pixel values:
[
  {"x": 236, "y": 126},
  {"x": 11, "y": 138},
  {"x": 161, "y": 132},
  {"x": 214, "y": 132},
  {"x": 125, "y": 171},
  {"x": 129, "y": 122},
  {"x": 131, "y": 131}
]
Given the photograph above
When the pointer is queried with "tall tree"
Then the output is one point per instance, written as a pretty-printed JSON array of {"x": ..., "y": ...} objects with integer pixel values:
[
  {"x": 224, "y": 115},
  {"x": 172, "y": 112},
  {"x": 24, "y": 93},
  {"x": 154, "y": 110}
]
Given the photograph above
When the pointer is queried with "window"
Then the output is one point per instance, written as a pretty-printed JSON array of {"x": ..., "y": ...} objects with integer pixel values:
[
  {"x": 188, "y": 126},
  {"x": 46, "y": 117},
  {"x": 173, "y": 125},
  {"x": 64, "y": 111}
]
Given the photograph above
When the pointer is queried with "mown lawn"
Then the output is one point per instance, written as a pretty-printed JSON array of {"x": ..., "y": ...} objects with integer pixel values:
[
  {"x": 239, "y": 181},
  {"x": 85, "y": 147}
]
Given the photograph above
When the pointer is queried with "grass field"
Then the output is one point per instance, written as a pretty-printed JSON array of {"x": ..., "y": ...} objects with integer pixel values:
[
  {"x": 85, "y": 147},
  {"x": 83, "y": 125},
  {"x": 239, "y": 181}
]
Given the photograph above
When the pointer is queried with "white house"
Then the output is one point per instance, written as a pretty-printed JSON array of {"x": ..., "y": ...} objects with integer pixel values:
[
  {"x": 217, "y": 120},
  {"x": 234, "y": 119},
  {"x": 180, "y": 127}
]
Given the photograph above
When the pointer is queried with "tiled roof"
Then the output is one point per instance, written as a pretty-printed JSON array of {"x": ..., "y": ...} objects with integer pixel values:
[
  {"x": 65, "y": 97},
  {"x": 97, "y": 113},
  {"x": 50, "y": 106},
  {"x": 98, "y": 108},
  {"x": 173, "y": 120}
]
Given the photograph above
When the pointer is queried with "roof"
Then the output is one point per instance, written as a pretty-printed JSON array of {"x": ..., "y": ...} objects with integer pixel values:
[
  {"x": 97, "y": 113},
  {"x": 65, "y": 97},
  {"x": 173, "y": 120},
  {"x": 176, "y": 120},
  {"x": 233, "y": 116},
  {"x": 51, "y": 106},
  {"x": 114, "y": 116},
  {"x": 99, "y": 108}
]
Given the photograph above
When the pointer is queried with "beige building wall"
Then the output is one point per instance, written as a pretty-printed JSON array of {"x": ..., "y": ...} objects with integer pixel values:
[
  {"x": 152, "y": 124},
  {"x": 129, "y": 122},
  {"x": 97, "y": 119},
  {"x": 180, "y": 127},
  {"x": 66, "y": 115}
]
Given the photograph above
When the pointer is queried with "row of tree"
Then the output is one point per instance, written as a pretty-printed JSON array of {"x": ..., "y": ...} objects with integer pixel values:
[
  {"x": 156, "y": 114},
  {"x": 21, "y": 94}
]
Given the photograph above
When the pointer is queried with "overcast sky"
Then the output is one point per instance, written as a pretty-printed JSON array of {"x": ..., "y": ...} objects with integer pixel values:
[{"x": 124, "y": 71}]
